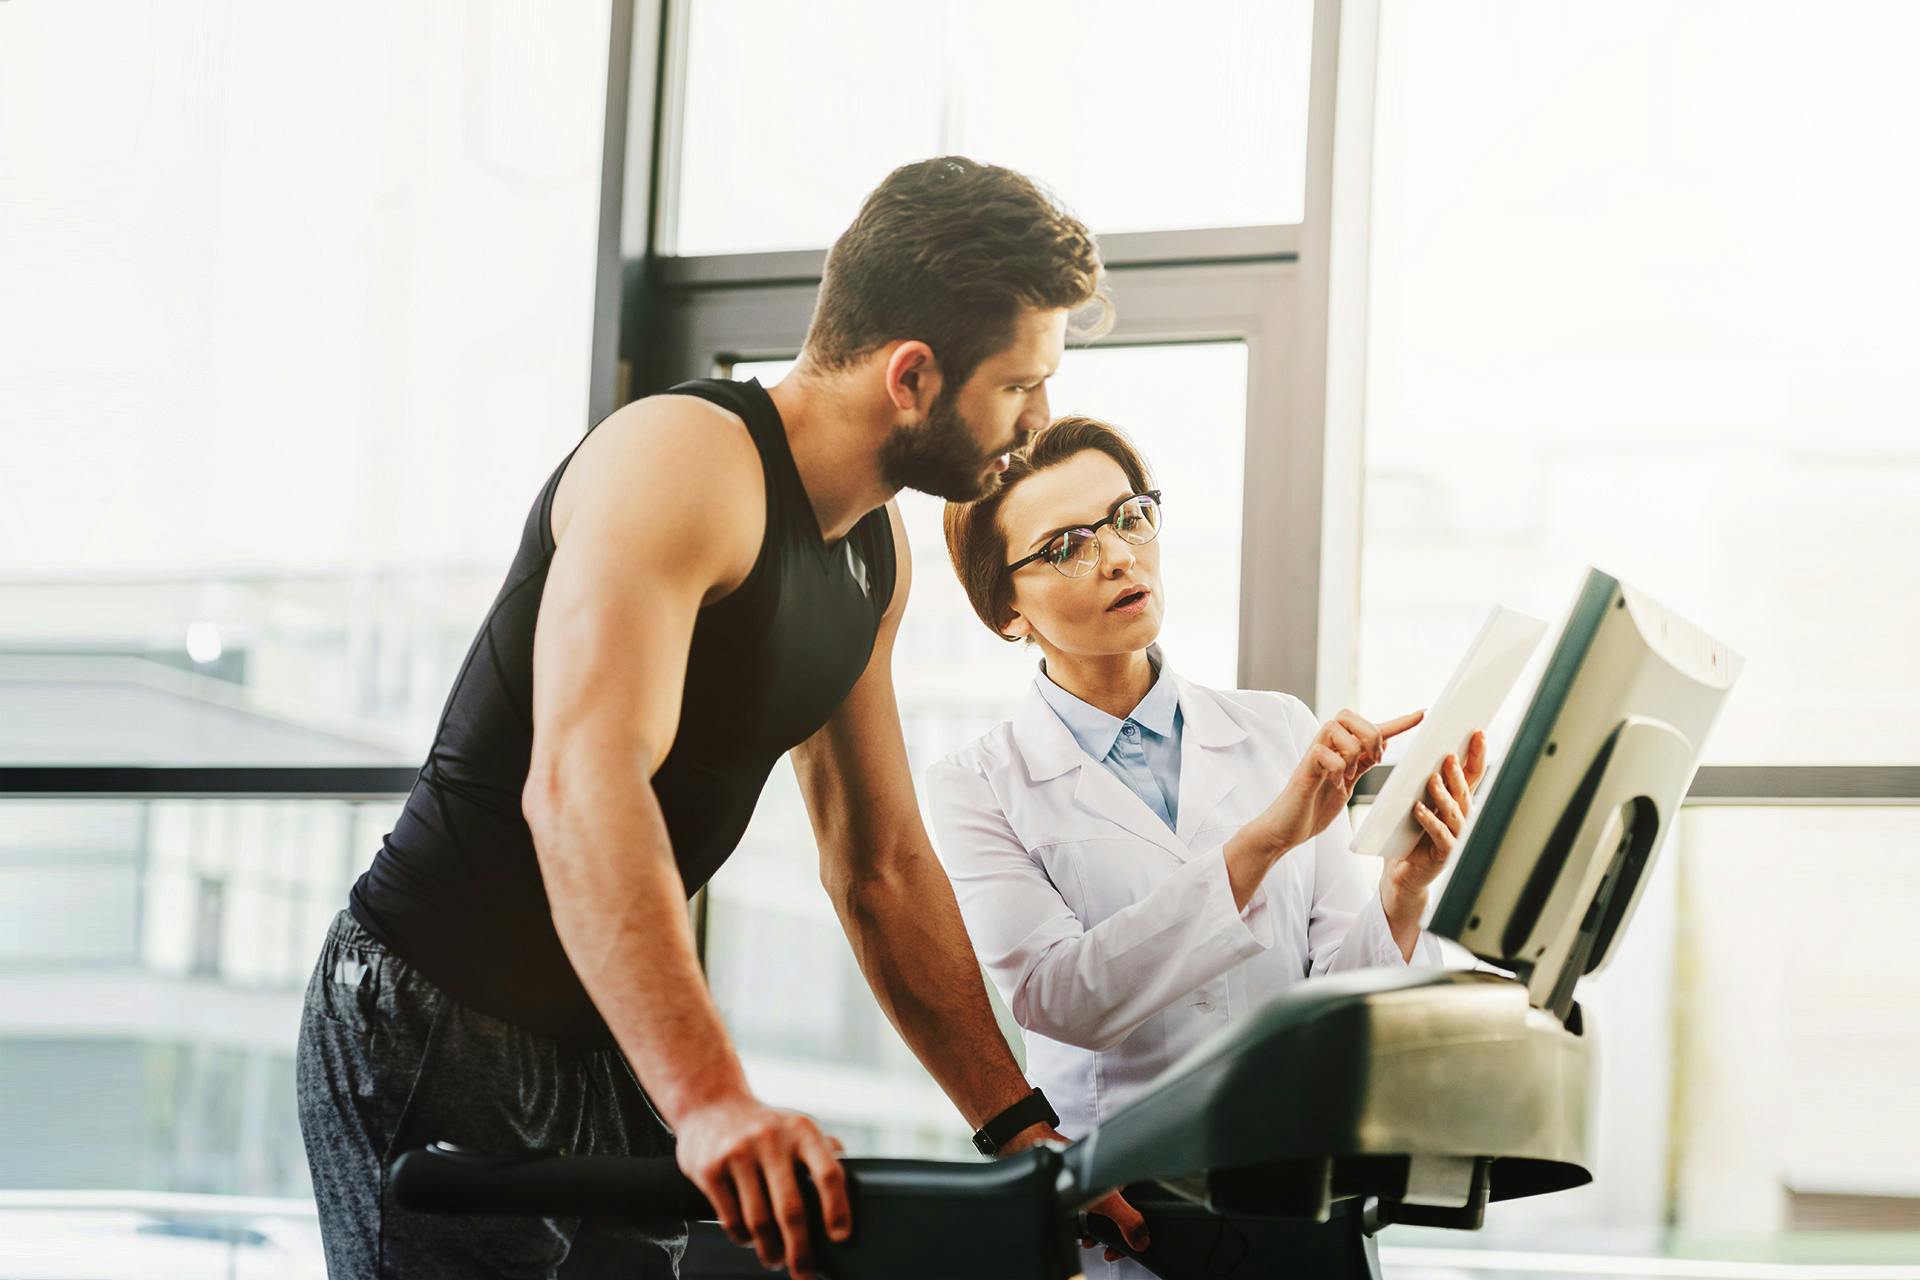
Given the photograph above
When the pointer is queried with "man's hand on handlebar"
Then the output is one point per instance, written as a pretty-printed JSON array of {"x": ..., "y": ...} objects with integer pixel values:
[
  {"x": 741, "y": 1153},
  {"x": 1132, "y": 1226}
]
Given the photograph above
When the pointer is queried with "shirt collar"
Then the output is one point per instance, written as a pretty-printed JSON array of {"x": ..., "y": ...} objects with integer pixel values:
[{"x": 1093, "y": 728}]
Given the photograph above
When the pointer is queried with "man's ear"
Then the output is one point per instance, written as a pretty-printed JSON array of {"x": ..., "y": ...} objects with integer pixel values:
[{"x": 913, "y": 377}]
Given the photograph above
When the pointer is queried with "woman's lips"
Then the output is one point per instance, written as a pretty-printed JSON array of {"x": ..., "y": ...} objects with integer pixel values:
[{"x": 1133, "y": 604}]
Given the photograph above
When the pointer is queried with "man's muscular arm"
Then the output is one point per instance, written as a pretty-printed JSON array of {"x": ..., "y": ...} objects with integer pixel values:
[
  {"x": 662, "y": 510},
  {"x": 897, "y": 905},
  {"x": 892, "y": 895}
]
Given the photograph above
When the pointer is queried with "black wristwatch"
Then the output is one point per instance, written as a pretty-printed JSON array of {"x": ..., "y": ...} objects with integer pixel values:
[{"x": 1024, "y": 1114}]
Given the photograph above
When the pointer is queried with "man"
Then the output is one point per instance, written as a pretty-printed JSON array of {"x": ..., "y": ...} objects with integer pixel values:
[{"x": 714, "y": 577}]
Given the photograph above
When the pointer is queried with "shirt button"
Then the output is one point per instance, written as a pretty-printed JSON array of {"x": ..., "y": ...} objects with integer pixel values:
[{"x": 1130, "y": 730}]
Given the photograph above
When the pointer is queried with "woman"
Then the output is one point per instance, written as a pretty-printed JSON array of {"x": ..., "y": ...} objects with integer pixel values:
[{"x": 1140, "y": 860}]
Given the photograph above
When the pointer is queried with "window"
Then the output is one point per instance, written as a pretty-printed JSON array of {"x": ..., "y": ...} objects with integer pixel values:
[
  {"x": 298, "y": 317},
  {"x": 152, "y": 960},
  {"x": 1586, "y": 345},
  {"x": 1141, "y": 122},
  {"x": 1796, "y": 1004},
  {"x": 1591, "y": 341}
]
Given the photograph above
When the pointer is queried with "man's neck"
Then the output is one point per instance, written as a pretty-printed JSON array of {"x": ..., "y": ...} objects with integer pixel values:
[
  {"x": 835, "y": 444},
  {"x": 1113, "y": 682}
]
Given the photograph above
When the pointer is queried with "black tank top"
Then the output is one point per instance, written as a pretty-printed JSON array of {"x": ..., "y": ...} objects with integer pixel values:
[{"x": 455, "y": 889}]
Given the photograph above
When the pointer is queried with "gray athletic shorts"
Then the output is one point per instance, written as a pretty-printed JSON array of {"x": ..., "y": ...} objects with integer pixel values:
[{"x": 387, "y": 1062}]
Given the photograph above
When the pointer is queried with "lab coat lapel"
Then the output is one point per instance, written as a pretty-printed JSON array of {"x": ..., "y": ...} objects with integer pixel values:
[
  {"x": 1104, "y": 796},
  {"x": 1100, "y": 799},
  {"x": 1207, "y": 768}
]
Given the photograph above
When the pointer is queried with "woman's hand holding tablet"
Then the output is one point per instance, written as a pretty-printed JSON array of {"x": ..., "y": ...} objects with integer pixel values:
[{"x": 1441, "y": 813}]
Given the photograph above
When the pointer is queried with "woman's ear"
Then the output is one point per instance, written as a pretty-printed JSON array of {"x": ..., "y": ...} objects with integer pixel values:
[{"x": 1018, "y": 629}]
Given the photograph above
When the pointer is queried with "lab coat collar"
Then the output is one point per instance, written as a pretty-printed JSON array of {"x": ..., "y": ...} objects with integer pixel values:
[
  {"x": 1204, "y": 722},
  {"x": 1050, "y": 751},
  {"x": 1046, "y": 744},
  {"x": 1156, "y": 711},
  {"x": 1096, "y": 730}
]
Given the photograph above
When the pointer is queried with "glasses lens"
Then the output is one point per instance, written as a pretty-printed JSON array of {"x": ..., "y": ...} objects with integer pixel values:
[
  {"x": 1073, "y": 553},
  {"x": 1138, "y": 519}
]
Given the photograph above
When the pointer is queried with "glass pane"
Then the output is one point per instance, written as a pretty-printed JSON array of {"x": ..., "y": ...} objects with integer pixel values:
[
  {"x": 153, "y": 955},
  {"x": 299, "y": 306},
  {"x": 1592, "y": 342},
  {"x": 1756, "y": 1035},
  {"x": 1137, "y": 120},
  {"x": 810, "y": 1033},
  {"x": 1801, "y": 1027},
  {"x": 125, "y": 1235}
]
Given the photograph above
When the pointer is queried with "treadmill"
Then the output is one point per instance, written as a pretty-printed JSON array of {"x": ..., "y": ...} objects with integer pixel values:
[{"x": 1346, "y": 1105}]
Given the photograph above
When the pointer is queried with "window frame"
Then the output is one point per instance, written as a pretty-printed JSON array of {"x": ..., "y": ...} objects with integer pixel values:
[
  {"x": 692, "y": 314},
  {"x": 1346, "y": 228},
  {"x": 1295, "y": 294}
]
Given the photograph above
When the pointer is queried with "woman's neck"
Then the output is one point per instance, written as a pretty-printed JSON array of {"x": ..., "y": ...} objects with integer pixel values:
[{"x": 1113, "y": 682}]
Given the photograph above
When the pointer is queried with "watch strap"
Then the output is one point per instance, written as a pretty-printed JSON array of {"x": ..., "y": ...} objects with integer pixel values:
[{"x": 1024, "y": 1114}]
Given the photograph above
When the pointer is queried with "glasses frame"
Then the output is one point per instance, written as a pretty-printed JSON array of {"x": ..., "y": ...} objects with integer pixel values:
[{"x": 1093, "y": 531}]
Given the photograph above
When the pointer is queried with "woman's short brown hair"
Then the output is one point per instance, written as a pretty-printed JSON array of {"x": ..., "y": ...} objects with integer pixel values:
[
  {"x": 976, "y": 542},
  {"x": 950, "y": 252}
]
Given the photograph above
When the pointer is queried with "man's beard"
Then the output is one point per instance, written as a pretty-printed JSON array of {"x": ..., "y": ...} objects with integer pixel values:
[{"x": 939, "y": 456}]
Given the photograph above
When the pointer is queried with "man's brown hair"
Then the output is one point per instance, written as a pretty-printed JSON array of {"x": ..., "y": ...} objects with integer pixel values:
[
  {"x": 950, "y": 252},
  {"x": 977, "y": 544}
]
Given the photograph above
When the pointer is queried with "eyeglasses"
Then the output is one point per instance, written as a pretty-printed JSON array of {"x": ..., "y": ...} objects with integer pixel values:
[{"x": 1075, "y": 552}]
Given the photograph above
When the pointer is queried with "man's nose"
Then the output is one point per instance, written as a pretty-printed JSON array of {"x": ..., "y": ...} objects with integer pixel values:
[{"x": 1039, "y": 413}]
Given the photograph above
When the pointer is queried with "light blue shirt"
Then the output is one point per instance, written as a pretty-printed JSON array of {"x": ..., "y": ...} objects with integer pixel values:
[{"x": 1143, "y": 750}]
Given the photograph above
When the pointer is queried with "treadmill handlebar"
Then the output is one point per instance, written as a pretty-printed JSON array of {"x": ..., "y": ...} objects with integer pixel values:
[
  {"x": 1006, "y": 1218},
  {"x": 443, "y": 1178}
]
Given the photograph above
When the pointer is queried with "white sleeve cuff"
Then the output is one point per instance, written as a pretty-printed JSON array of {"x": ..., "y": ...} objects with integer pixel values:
[
  {"x": 1249, "y": 931},
  {"x": 1385, "y": 950}
]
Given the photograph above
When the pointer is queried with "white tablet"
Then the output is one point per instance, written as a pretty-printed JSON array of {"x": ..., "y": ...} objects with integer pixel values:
[{"x": 1474, "y": 694}]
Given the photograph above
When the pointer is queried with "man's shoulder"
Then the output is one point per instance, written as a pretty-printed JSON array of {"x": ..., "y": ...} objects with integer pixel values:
[
  {"x": 683, "y": 422},
  {"x": 670, "y": 453}
]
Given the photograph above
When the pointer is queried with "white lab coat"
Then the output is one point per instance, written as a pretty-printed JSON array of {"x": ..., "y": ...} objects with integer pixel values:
[{"x": 1114, "y": 941}]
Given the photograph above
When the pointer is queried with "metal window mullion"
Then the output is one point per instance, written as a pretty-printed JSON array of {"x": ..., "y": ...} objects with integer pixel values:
[
  {"x": 603, "y": 380},
  {"x": 1284, "y": 490},
  {"x": 1801, "y": 784},
  {"x": 292, "y": 782},
  {"x": 1249, "y": 302},
  {"x": 676, "y": 22},
  {"x": 1764, "y": 785},
  {"x": 1121, "y": 251},
  {"x": 1349, "y": 215}
]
